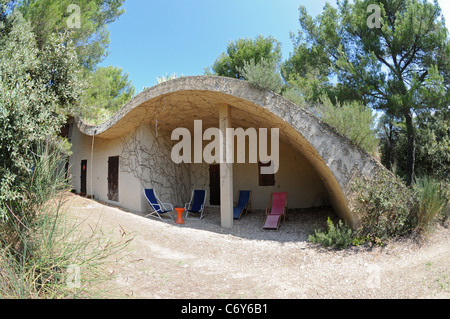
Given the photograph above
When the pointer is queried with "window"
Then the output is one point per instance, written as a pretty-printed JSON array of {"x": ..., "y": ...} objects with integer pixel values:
[{"x": 265, "y": 179}]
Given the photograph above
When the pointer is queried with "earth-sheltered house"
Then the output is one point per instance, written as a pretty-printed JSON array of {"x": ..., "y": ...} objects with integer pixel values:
[{"x": 131, "y": 151}]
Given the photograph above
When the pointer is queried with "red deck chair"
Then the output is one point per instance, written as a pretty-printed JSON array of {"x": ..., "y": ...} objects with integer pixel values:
[{"x": 278, "y": 209}]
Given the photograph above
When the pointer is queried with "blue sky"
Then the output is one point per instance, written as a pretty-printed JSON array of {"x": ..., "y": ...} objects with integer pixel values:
[{"x": 156, "y": 37}]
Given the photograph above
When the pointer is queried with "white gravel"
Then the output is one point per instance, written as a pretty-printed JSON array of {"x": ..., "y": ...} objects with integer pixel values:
[{"x": 199, "y": 259}]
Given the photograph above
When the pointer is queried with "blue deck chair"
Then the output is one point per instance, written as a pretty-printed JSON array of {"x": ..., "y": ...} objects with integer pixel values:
[
  {"x": 242, "y": 204},
  {"x": 158, "y": 207},
  {"x": 197, "y": 203}
]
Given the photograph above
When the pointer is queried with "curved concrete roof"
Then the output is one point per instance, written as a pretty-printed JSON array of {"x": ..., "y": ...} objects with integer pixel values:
[{"x": 177, "y": 103}]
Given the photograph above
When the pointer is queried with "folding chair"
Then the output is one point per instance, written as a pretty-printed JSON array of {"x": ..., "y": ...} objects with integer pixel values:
[
  {"x": 158, "y": 207},
  {"x": 197, "y": 203},
  {"x": 244, "y": 199},
  {"x": 278, "y": 209}
]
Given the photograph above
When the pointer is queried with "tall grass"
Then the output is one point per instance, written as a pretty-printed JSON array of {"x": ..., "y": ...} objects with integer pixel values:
[
  {"x": 433, "y": 201},
  {"x": 45, "y": 255}
]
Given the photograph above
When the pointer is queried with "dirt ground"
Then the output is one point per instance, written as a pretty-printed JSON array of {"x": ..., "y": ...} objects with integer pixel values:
[{"x": 199, "y": 259}]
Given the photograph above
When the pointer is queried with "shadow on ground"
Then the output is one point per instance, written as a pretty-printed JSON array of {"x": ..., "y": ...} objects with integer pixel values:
[{"x": 299, "y": 223}]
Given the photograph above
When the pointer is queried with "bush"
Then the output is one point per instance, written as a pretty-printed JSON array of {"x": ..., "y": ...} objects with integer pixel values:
[
  {"x": 353, "y": 120},
  {"x": 386, "y": 206},
  {"x": 293, "y": 95},
  {"x": 338, "y": 236},
  {"x": 39, "y": 249},
  {"x": 263, "y": 74},
  {"x": 37, "y": 88},
  {"x": 433, "y": 198}
]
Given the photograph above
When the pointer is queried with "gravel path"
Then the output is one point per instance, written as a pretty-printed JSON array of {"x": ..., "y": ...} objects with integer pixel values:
[{"x": 199, "y": 259}]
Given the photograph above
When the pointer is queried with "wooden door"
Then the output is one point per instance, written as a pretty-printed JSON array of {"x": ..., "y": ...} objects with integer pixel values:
[
  {"x": 113, "y": 178},
  {"x": 83, "y": 177},
  {"x": 214, "y": 184}
]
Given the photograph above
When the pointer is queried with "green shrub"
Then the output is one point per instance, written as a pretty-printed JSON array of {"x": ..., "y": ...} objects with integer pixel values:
[
  {"x": 353, "y": 120},
  {"x": 386, "y": 206},
  {"x": 293, "y": 95},
  {"x": 37, "y": 89},
  {"x": 263, "y": 74},
  {"x": 432, "y": 201},
  {"x": 338, "y": 236},
  {"x": 39, "y": 248}
]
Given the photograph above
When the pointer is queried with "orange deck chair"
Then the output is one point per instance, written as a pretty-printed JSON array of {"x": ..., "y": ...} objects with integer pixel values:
[{"x": 278, "y": 209}]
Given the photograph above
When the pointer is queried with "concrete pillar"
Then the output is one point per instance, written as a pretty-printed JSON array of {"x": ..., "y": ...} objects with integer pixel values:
[{"x": 226, "y": 169}]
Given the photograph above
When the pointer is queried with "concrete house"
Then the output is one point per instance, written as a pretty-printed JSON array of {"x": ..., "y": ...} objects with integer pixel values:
[{"x": 132, "y": 150}]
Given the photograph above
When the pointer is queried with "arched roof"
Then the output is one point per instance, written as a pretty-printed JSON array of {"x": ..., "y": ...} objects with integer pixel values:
[{"x": 178, "y": 102}]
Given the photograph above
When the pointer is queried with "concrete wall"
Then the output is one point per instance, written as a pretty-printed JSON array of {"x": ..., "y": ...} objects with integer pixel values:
[
  {"x": 97, "y": 170},
  {"x": 145, "y": 162},
  {"x": 295, "y": 176}
]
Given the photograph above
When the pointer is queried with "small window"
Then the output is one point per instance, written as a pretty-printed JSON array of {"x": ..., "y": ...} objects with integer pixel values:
[{"x": 265, "y": 179}]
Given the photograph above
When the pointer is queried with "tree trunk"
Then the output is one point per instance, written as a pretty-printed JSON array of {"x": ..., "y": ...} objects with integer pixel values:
[
  {"x": 411, "y": 158},
  {"x": 389, "y": 143}
]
